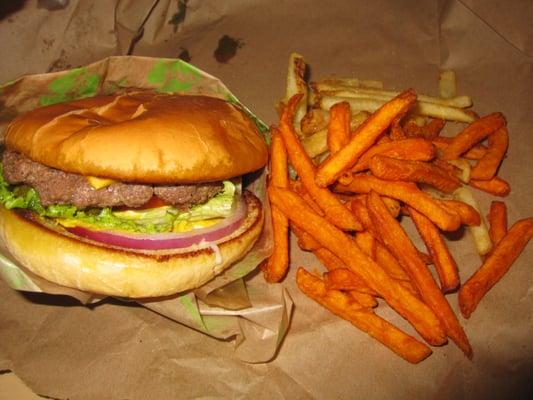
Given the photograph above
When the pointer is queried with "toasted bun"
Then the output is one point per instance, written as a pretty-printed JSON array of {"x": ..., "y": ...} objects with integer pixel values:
[
  {"x": 142, "y": 137},
  {"x": 77, "y": 263}
]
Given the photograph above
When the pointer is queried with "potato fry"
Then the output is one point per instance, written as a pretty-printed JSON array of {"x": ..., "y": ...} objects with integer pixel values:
[
  {"x": 363, "y": 138},
  {"x": 275, "y": 268},
  {"x": 338, "y": 127},
  {"x": 479, "y": 232},
  {"x": 296, "y": 85},
  {"x": 473, "y": 134},
  {"x": 497, "y": 221},
  {"x": 416, "y": 149},
  {"x": 413, "y": 171},
  {"x": 341, "y": 305},
  {"x": 496, "y": 186},
  {"x": 444, "y": 262},
  {"x": 334, "y": 210},
  {"x": 447, "y": 84},
  {"x": 407, "y": 305},
  {"x": 316, "y": 144},
  {"x": 406, "y": 192},
  {"x": 495, "y": 266},
  {"x": 487, "y": 166},
  {"x": 401, "y": 246},
  {"x": 314, "y": 120}
]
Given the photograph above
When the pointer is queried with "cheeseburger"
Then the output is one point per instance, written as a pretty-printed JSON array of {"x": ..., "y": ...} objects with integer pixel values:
[{"x": 133, "y": 195}]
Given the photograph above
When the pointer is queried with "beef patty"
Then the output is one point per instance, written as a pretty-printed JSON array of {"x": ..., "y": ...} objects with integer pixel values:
[{"x": 58, "y": 187}]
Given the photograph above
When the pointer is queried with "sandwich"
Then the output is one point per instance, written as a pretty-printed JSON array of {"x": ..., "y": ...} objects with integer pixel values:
[{"x": 132, "y": 195}]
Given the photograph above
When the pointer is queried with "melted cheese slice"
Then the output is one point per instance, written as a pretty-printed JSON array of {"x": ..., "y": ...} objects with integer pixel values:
[{"x": 99, "y": 183}]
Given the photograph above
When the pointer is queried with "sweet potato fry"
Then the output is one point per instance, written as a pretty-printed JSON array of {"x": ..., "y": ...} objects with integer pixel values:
[
  {"x": 473, "y": 134},
  {"x": 444, "y": 263},
  {"x": 417, "y": 149},
  {"x": 468, "y": 214},
  {"x": 475, "y": 153},
  {"x": 341, "y": 305},
  {"x": 367, "y": 243},
  {"x": 495, "y": 266},
  {"x": 345, "y": 279},
  {"x": 407, "y": 305},
  {"x": 305, "y": 241},
  {"x": 429, "y": 131},
  {"x": 413, "y": 171},
  {"x": 334, "y": 210},
  {"x": 363, "y": 138},
  {"x": 401, "y": 246},
  {"x": 496, "y": 186},
  {"x": 406, "y": 192},
  {"x": 338, "y": 127},
  {"x": 487, "y": 166},
  {"x": 396, "y": 131},
  {"x": 275, "y": 268},
  {"x": 497, "y": 221}
]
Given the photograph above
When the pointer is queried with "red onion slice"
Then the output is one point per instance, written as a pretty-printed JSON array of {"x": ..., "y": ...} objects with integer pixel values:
[{"x": 160, "y": 241}]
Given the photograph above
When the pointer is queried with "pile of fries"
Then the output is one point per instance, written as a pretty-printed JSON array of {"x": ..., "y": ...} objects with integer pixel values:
[{"x": 362, "y": 158}]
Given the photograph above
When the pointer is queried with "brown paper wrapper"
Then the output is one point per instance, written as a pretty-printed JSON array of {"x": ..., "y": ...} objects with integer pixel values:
[{"x": 115, "y": 351}]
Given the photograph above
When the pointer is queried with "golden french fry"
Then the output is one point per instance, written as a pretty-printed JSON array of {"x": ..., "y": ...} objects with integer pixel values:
[
  {"x": 334, "y": 210},
  {"x": 341, "y": 305},
  {"x": 447, "y": 84},
  {"x": 413, "y": 171},
  {"x": 363, "y": 138},
  {"x": 479, "y": 232},
  {"x": 444, "y": 262},
  {"x": 296, "y": 85},
  {"x": 406, "y": 192},
  {"x": 336, "y": 241},
  {"x": 497, "y": 221},
  {"x": 472, "y": 135},
  {"x": 400, "y": 245},
  {"x": 495, "y": 266},
  {"x": 338, "y": 127},
  {"x": 316, "y": 144},
  {"x": 487, "y": 166}
]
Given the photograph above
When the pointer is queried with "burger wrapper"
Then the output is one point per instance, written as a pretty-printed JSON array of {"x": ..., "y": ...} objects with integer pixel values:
[
  {"x": 121, "y": 350},
  {"x": 225, "y": 307}
]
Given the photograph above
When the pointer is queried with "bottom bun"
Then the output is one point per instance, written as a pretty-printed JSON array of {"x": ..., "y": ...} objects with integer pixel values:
[{"x": 78, "y": 263}]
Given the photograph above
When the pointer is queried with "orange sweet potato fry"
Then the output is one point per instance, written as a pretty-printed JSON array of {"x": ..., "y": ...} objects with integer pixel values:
[
  {"x": 417, "y": 149},
  {"x": 334, "y": 210},
  {"x": 400, "y": 245},
  {"x": 275, "y": 268},
  {"x": 444, "y": 262},
  {"x": 338, "y": 126},
  {"x": 467, "y": 213},
  {"x": 495, "y": 266},
  {"x": 396, "y": 131},
  {"x": 474, "y": 153},
  {"x": 413, "y": 171},
  {"x": 487, "y": 166},
  {"x": 430, "y": 130},
  {"x": 367, "y": 243},
  {"x": 497, "y": 221},
  {"x": 342, "y": 245},
  {"x": 364, "y": 137},
  {"x": 343, "y": 306},
  {"x": 496, "y": 186},
  {"x": 406, "y": 192},
  {"x": 345, "y": 279},
  {"x": 473, "y": 134}
]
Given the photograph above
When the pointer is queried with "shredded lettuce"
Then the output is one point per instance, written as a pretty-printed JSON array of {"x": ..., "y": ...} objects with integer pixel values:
[{"x": 155, "y": 220}]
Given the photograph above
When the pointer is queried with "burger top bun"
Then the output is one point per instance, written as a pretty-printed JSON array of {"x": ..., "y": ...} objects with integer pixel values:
[{"x": 142, "y": 137}]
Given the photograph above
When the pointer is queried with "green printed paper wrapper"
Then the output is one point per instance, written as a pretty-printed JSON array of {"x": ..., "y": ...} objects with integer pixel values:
[{"x": 254, "y": 314}]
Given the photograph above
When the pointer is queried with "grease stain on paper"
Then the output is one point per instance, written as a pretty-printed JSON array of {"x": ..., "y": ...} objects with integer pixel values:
[
  {"x": 179, "y": 17},
  {"x": 227, "y": 48}
]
